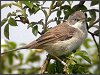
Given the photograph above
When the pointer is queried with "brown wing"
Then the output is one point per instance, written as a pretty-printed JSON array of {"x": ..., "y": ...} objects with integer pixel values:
[{"x": 59, "y": 33}]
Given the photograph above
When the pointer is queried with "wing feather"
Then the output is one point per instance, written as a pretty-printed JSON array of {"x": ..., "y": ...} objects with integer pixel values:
[{"x": 59, "y": 33}]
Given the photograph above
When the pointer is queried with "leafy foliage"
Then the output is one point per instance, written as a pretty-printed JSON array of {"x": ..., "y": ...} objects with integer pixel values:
[
  {"x": 9, "y": 60},
  {"x": 83, "y": 54},
  {"x": 6, "y": 31},
  {"x": 4, "y": 21},
  {"x": 12, "y": 22},
  {"x": 76, "y": 65},
  {"x": 35, "y": 30}
]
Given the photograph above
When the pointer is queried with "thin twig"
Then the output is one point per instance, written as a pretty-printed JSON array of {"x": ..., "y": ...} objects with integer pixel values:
[
  {"x": 40, "y": 33},
  {"x": 60, "y": 60},
  {"x": 46, "y": 18},
  {"x": 94, "y": 40},
  {"x": 45, "y": 65},
  {"x": 93, "y": 9}
]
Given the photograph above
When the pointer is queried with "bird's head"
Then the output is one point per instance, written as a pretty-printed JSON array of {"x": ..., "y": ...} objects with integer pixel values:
[{"x": 78, "y": 16}]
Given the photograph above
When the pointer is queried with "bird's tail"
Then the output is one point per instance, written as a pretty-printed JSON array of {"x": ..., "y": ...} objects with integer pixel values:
[
  {"x": 13, "y": 50},
  {"x": 29, "y": 46}
]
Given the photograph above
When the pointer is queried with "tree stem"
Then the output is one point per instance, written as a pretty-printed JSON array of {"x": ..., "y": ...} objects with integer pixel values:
[{"x": 94, "y": 40}]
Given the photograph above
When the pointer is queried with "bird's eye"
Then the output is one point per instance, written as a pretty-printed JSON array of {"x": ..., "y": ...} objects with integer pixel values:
[{"x": 76, "y": 20}]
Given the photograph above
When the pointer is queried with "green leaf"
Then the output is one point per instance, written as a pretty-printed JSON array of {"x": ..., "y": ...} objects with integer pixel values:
[
  {"x": 10, "y": 58},
  {"x": 6, "y": 31},
  {"x": 59, "y": 66},
  {"x": 81, "y": 52},
  {"x": 19, "y": 3},
  {"x": 65, "y": 7},
  {"x": 19, "y": 56},
  {"x": 93, "y": 14},
  {"x": 5, "y": 5},
  {"x": 88, "y": 19},
  {"x": 79, "y": 7},
  {"x": 31, "y": 24},
  {"x": 28, "y": 3},
  {"x": 24, "y": 13},
  {"x": 67, "y": 13},
  {"x": 3, "y": 21},
  {"x": 10, "y": 70},
  {"x": 36, "y": 8},
  {"x": 94, "y": 3},
  {"x": 84, "y": 55},
  {"x": 35, "y": 30},
  {"x": 33, "y": 10},
  {"x": 78, "y": 61},
  {"x": 51, "y": 68},
  {"x": 58, "y": 13},
  {"x": 12, "y": 45},
  {"x": 32, "y": 57},
  {"x": 58, "y": 3},
  {"x": 86, "y": 43},
  {"x": 4, "y": 46},
  {"x": 9, "y": 14},
  {"x": 12, "y": 22}
]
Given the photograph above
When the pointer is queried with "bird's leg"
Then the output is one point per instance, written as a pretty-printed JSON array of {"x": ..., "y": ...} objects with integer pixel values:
[
  {"x": 60, "y": 60},
  {"x": 45, "y": 65}
]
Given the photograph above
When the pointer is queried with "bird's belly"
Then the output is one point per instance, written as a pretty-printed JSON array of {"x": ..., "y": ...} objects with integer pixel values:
[{"x": 64, "y": 47}]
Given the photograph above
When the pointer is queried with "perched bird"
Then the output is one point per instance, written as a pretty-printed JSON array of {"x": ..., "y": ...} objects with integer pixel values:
[{"x": 63, "y": 38}]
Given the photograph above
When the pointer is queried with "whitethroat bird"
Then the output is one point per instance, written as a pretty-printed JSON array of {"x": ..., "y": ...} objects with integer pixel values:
[{"x": 63, "y": 38}]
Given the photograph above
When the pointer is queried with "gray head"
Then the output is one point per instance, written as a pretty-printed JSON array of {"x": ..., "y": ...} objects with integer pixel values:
[{"x": 77, "y": 16}]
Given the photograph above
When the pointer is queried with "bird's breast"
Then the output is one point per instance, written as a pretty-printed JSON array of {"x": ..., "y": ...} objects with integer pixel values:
[{"x": 63, "y": 47}]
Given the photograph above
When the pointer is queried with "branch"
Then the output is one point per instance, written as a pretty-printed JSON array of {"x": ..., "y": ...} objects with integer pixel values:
[
  {"x": 47, "y": 16},
  {"x": 94, "y": 10},
  {"x": 45, "y": 65},
  {"x": 81, "y": 2},
  {"x": 94, "y": 40}
]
